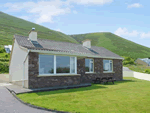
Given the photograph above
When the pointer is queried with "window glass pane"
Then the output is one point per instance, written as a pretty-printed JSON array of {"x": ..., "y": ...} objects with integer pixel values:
[
  {"x": 87, "y": 62},
  {"x": 46, "y": 64},
  {"x": 91, "y": 67},
  {"x": 106, "y": 65},
  {"x": 110, "y": 67},
  {"x": 62, "y": 64},
  {"x": 72, "y": 64}
]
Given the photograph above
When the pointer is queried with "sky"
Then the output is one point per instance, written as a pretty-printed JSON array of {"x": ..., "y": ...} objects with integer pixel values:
[{"x": 129, "y": 19}]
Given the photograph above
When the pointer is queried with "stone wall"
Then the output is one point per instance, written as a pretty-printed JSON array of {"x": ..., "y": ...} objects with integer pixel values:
[
  {"x": 50, "y": 81},
  {"x": 47, "y": 81},
  {"x": 98, "y": 70}
]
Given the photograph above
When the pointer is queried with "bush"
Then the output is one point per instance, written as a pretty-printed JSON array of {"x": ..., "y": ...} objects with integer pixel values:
[
  {"x": 4, "y": 67},
  {"x": 4, "y": 59},
  {"x": 2, "y": 50},
  {"x": 6, "y": 56},
  {"x": 147, "y": 71},
  {"x": 128, "y": 60}
]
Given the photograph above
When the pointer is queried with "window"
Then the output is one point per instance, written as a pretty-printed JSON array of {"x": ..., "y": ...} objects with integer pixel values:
[
  {"x": 46, "y": 64},
  {"x": 52, "y": 64},
  {"x": 72, "y": 64},
  {"x": 62, "y": 64},
  {"x": 89, "y": 65},
  {"x": 107, "y": 65}
]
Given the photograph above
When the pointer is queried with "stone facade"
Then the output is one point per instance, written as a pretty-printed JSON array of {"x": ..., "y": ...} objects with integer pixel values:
[
  {"x": 98, "y": 70},
  {"x": 47, "y": 81},
  {"x": 50, "y": 81}
]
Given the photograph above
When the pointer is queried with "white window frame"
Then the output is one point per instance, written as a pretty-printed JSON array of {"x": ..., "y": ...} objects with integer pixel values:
[
  {"x": 90, "y": 66},
  {"x": 55, "y": 67},
  {"x": 110, "y": 61}
]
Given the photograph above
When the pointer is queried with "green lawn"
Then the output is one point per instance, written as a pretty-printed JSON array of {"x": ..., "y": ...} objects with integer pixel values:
[{"x": 124, "y": 97}]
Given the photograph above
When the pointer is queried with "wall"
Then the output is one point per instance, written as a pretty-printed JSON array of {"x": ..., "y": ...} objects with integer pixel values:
[
  {"x": 16, "y": 63},
  {"x": 4, "y": 77},
  {"x": 19, "y": 83},
  {"x": 98, "y": 70},
  {"x": 138, "y": 75},
  {"x": 47, "y": 81},
  {"x": 142, "y": 76},
  {"x": 128, "y": 73},
  {"x": 50, "y": 81}
]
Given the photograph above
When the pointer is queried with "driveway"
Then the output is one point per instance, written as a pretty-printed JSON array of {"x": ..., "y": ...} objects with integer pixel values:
[{"x": 9, "y": 104}]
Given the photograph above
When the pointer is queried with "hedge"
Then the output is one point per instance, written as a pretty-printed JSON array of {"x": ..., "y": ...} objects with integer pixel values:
[
  {"x": 128, "y": 60},
  {"x": 4, "y": 59},
  {"x": 147, "y": 71},
  {"x": 2, "y": 50},
  {"x": 4, "y": 67}
]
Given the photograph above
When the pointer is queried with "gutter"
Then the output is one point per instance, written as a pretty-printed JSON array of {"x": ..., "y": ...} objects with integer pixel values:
[{"x": 24, "y": 69}]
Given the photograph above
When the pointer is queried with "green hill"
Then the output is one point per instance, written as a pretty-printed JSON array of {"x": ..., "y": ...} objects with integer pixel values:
[
  {"x": 115, "y": 44},
  {"x": 10, "y": 25}
]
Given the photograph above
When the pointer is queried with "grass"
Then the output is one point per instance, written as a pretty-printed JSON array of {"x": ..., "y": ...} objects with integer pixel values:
[
  {"x": 115, "y": 44},
  {"x": 137, "y": 67},
  {"x": 10, "y": 25},
  {"x": 123, "y": 97}
]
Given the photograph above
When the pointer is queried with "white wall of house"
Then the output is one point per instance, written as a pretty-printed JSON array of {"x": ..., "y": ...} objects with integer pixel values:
[
  {"x": 128, "y": 73},
  {"x": 16, "y": 63}
]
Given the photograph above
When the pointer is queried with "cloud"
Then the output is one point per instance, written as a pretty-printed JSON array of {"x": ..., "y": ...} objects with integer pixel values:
[
  {"x": 124, "y": 32},
  {"x": 44, "y": 11},
  {"x": 135, "y": 5},
  {"x": 24, "y": 17},
  {"x": 75, "y": 12},
  {"x": 58, "y": 30},
  {"x": 145, "y": 35},
  {"x": 91, "y": 2},
  {"x": 134, "y": 33}
]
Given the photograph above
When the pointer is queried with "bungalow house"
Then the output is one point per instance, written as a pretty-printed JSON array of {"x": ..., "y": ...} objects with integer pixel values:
[
  {"x": 8, "y": 48},
  {"x": 40, "y": 63},
  {"x": 143, "y": 61}
]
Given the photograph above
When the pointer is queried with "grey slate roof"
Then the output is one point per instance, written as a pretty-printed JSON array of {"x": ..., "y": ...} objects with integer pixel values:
[{"x": 50, "y": 45}]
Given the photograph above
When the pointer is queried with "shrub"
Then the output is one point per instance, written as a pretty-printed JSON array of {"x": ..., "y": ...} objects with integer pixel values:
[
  {"x": 147, "y": 71},
  {"x": 4, "y": 59},
  {"x": 128, "y": 60},
  {"x": 4, "y": 67},
  {"x": 6, "y": 56},
  {"x": 2, "y": 50}
]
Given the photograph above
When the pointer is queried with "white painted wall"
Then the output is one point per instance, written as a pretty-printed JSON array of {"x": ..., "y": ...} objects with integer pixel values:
[
  {"x": 16, "y": 64},
  {"x": 142, "y": 76},
  {"x": 137, "y": 75},
  {"x": 33, "y": 35},
  {"x": 128, "y": 73},
  {"x": 4, "y": 77},
  {"x": 87, "y": 43}
]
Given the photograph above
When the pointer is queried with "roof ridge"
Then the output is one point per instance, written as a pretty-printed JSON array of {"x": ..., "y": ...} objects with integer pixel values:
[{"x": 55, "y": 41}]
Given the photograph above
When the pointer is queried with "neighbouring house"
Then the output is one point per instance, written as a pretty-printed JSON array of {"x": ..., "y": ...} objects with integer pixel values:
[
  {"x": 8, "y": 48},
  {"x": 143, "y": 61},
  {"x": 40, "y": 63}
]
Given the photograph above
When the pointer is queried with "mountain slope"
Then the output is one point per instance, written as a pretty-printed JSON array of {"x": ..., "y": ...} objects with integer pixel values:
[
  {"x": 10, "y": 25},
  {"x": 115, "y": 44}
]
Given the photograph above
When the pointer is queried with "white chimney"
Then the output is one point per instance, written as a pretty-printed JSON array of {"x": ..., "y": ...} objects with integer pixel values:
[
  {"x": 87, "y": 43},
  {"x": 33, "y": 35}
]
